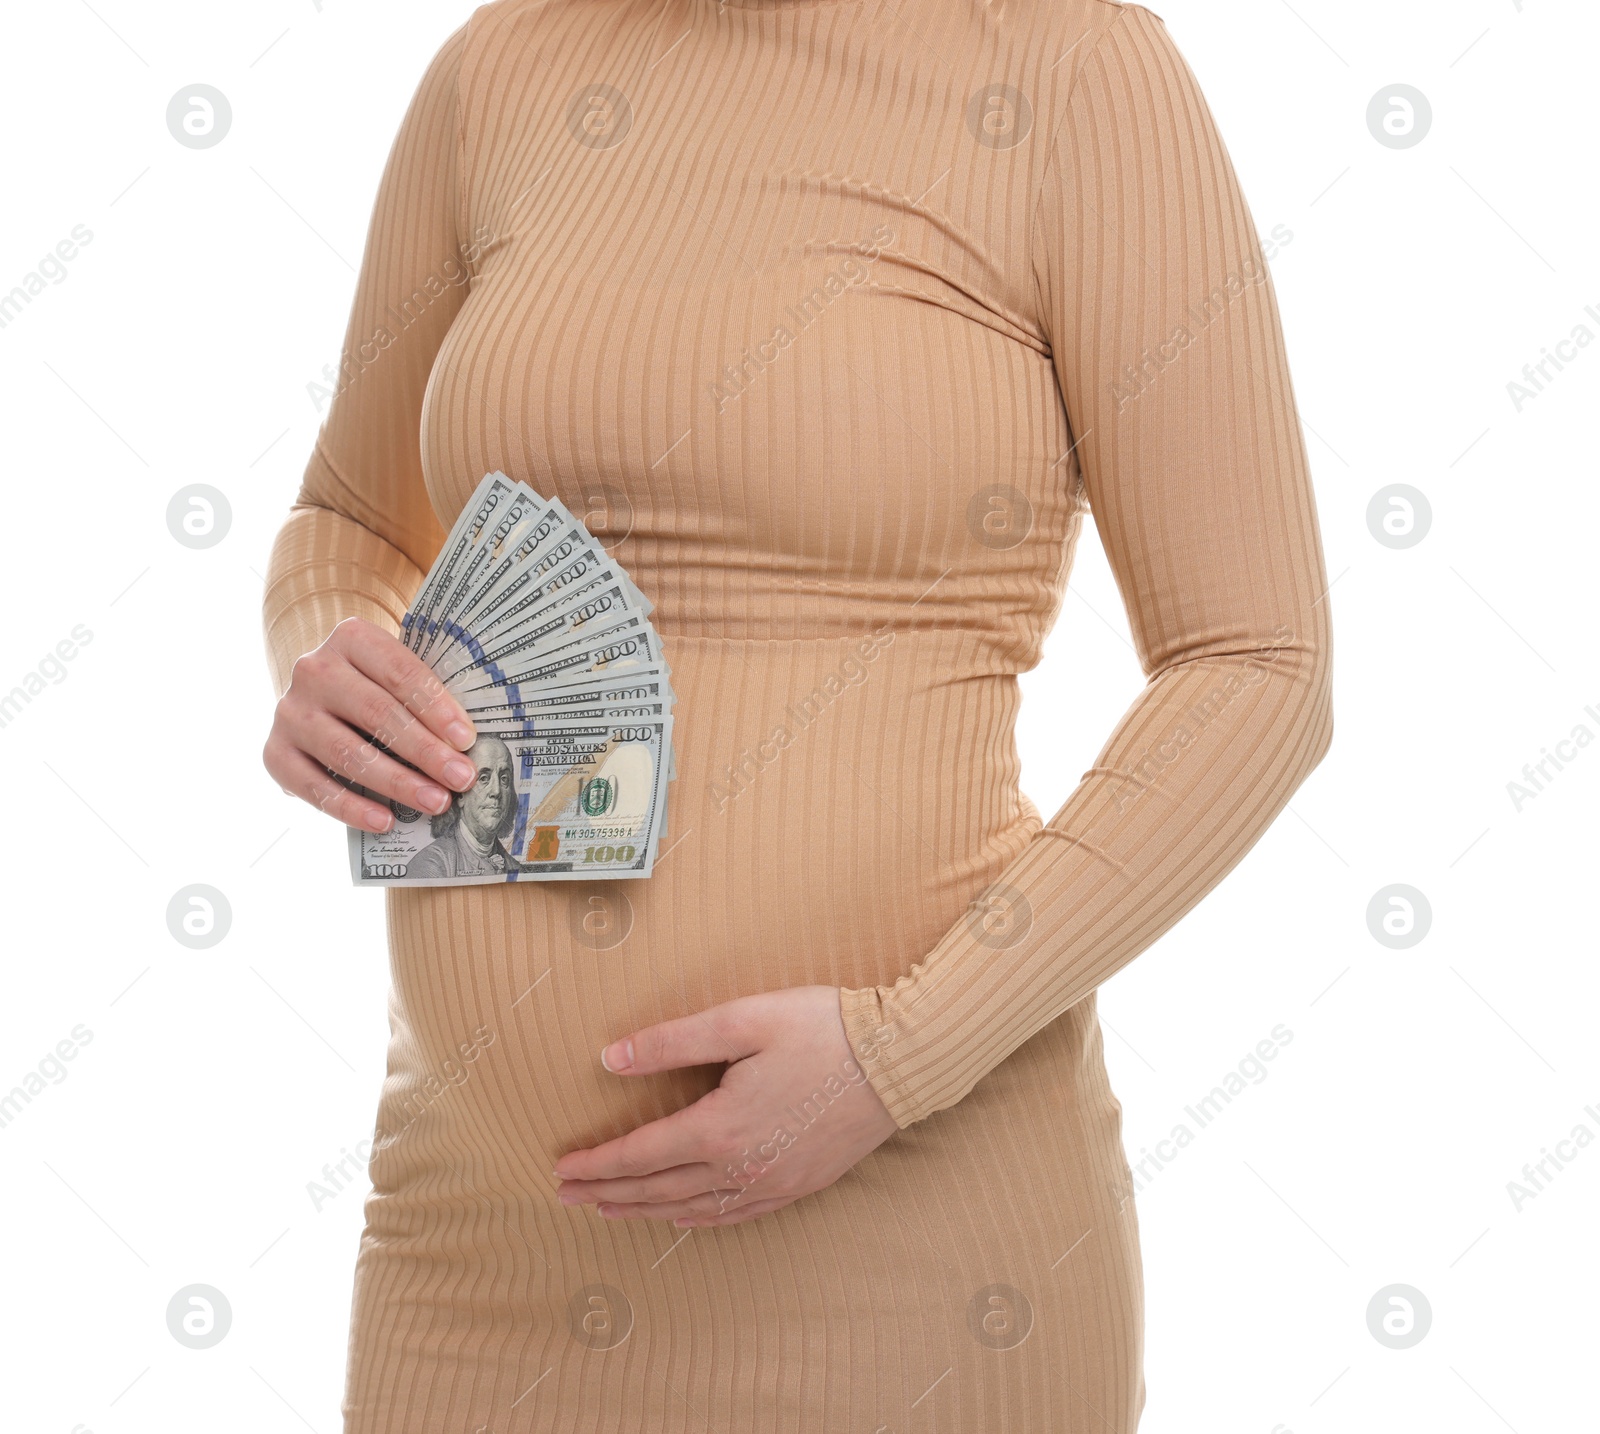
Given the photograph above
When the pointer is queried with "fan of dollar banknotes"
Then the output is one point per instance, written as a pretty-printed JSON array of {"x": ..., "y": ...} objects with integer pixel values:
[{"x": 546, "y": 642}]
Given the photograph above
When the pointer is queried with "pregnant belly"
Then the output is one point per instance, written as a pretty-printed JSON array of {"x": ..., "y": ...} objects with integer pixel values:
[{"x": 833, "y": 814}]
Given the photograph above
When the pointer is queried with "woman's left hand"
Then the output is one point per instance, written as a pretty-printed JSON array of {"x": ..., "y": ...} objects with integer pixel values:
[{"x": 793, "y": 1112}]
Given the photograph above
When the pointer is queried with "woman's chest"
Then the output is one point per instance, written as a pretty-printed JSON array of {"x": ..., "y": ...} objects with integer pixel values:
[{"x": 777, "y": 299}]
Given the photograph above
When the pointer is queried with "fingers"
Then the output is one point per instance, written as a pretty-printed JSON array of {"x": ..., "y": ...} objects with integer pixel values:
[
  {"x": 704, "y": 1206},
  {"x": 737, "y": 1215},
  {"x": 676, "y": 1139},
  {"x": 676, "y": 1184},
  {"x": 372, "y": 709},
  {"x": 363, "y": 684},
  {"x": 298, "y": 775},
  {"x": 392, "y": 665},
  {"x": 723, "y": 1033},
  {"x": 715, "y": 1207},
  {"x": 329, "y": 741}
]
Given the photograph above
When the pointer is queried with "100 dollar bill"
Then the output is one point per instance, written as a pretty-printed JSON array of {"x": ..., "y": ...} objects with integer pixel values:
[{"x": 584, "y": 801}]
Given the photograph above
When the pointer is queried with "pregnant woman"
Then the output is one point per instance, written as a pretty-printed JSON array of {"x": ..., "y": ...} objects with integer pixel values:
[{"x": 834, "y": 318}]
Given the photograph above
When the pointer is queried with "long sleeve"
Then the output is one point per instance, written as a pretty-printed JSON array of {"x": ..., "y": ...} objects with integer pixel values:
[
  {"x": 362, "y": 531},
  {"x": 1166, "y": 342}
]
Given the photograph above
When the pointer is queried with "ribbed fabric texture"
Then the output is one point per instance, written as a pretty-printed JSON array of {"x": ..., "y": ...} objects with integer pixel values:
[{"x": 835, "y": 318}]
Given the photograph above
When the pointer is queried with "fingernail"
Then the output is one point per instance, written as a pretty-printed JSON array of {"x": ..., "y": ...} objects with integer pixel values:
[
  {"x": 568, "y": 1197},
  {"x": 460, "y": 734},
  {"x": 458, "y": 773},
  {"x": 609, "y": 1212},
  {"x": 683, "y": 1222},
  {"x": 435, "y": 799},
  {"x": 381, "y": 824},
  {"x": 618, "y": 1056}
]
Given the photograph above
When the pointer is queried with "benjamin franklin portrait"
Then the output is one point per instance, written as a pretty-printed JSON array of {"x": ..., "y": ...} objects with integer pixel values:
[{"x": 469, "y": 835}]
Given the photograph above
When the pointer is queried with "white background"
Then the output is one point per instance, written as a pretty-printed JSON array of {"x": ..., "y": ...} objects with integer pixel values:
[{"x": 177, "y": 1146}]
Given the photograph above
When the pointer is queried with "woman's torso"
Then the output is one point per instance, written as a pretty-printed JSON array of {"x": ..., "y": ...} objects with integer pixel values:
[{"x": 753, "y": 289}]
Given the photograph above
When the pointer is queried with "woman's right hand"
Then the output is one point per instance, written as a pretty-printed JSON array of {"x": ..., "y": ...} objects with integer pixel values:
[{"x": 360, "y": 685}]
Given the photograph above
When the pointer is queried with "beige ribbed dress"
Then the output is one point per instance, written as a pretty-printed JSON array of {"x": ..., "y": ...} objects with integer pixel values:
[{"x": 836, "y": 317}]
